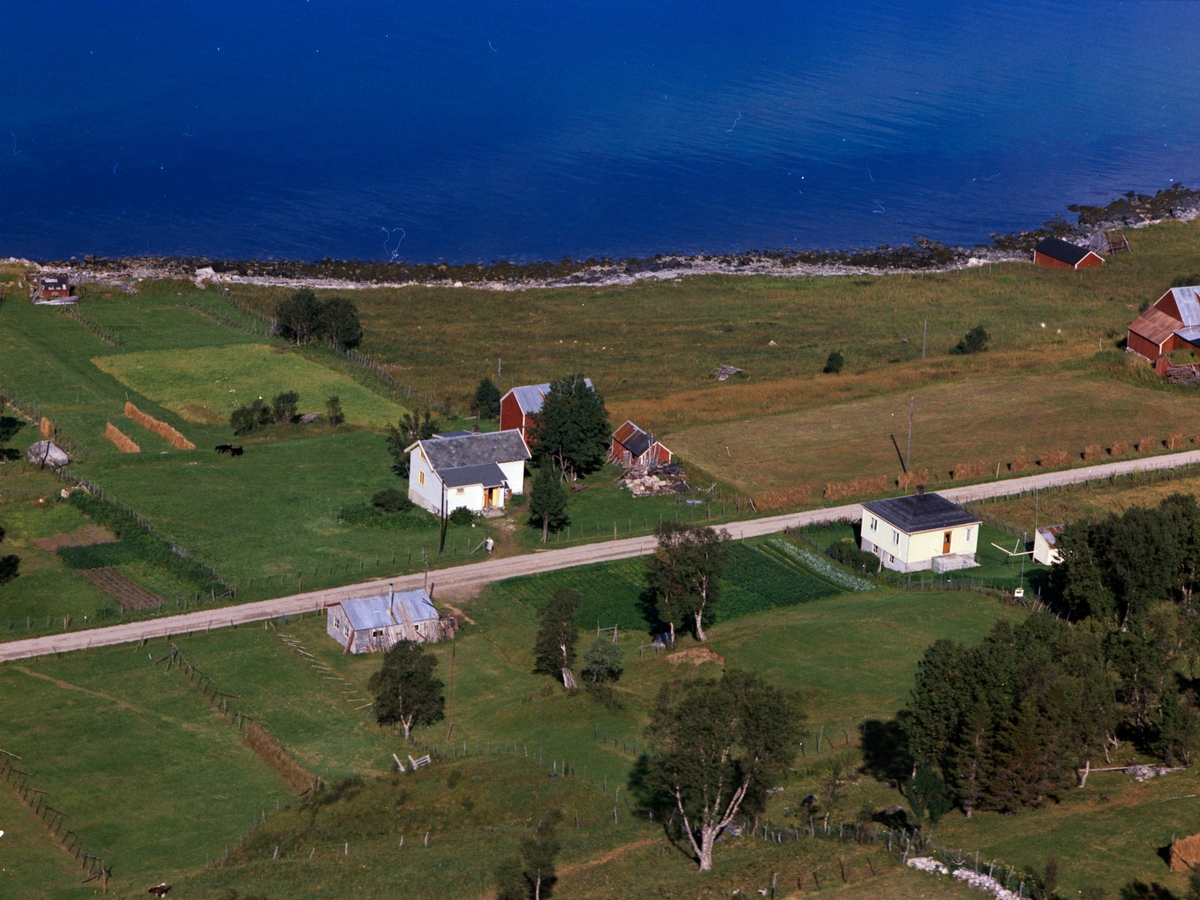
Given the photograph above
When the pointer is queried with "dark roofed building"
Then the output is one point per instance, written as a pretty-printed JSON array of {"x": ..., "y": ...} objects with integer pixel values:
[
  {"x": 922, "y": 531},
  {"x": 633, "y": 447},
  {"x": 1059, "y": 254}
]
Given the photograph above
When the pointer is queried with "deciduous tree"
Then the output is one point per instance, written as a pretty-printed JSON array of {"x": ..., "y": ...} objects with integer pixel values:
[
  {"x": 415, "y": 425},
  {"x": 603, "y": 661},
  {"x": 339, "y": 323},
  {"x": 532, "y": 876},
  {"x": 406, "y": 691},
  {"x": 554, "y": 649},
  {"x": 298, "y": 318},
  {"x": 284, "y": 406},
  {"x": 684, "y": 572},
  {"x": 716, "y": 743},
  {"x": 333, "y": 411}
]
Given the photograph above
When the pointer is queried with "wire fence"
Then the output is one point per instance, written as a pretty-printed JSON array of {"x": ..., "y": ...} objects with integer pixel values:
[
  {"x": 55, "y": 820},
  {"x": 103, "y": 333}
]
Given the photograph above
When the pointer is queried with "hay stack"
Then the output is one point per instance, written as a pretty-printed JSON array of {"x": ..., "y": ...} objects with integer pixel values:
[
  {"x": 963, "y": 471},
  {"x": 124, "y": 444},
  {"x": 1175, "y": 440},
  {"x": 1147, "y": 444},
  {"x": 1020, "y": 463},
  {"x": 1056, "y": 458},
  {"x": 858, "y": 487},
  {"x": 793, "y": 496},
  {"x": 906, "y": 481},
  {"x": 1185, "y": 853},
  {"x": 162, "y": 429},
  {"x": 1092, "y": 452},
  {"x": 47, "y": 429},
  {"x": 1119, "y": 448}
]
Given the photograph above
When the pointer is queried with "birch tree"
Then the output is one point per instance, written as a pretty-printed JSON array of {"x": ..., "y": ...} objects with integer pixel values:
[
  {"x": 406, "y": 691},
  {"x": 719, "y": 745}
]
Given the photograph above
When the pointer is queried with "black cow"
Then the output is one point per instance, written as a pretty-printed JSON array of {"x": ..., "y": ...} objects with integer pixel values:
[
  {"x": 224, "y": 448},
  {"x": 235, "y": 451}
]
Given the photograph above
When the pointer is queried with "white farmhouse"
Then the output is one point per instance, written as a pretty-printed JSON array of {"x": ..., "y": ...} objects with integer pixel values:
[
  {"x": 375, "y": 624},
  {"x": 924, "y": 531},
  {"x": 478, "y": 471}
]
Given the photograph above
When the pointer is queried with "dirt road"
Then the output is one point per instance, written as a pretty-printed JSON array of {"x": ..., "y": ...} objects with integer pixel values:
[{"x": 477, "y": 574}]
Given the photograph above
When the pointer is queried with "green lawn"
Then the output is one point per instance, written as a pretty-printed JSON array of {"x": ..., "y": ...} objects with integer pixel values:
[{"x": 204, "y": 385}]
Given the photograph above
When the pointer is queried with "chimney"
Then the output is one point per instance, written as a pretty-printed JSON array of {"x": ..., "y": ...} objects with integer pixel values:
[{"x": 920, "y": 490}]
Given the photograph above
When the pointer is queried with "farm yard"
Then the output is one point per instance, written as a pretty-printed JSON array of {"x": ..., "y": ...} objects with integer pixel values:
[{"x": 169, "y": 722}]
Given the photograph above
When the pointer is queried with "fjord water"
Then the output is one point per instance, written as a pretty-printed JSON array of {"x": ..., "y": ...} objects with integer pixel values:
[{"x": 472, "y": 131}]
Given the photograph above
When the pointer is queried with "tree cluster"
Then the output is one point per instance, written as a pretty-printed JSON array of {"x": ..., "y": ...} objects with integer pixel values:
[
  {"x": 9, "y": 426},
  {"x": 283, "y": 409},
  {"x": 974, "y": 341},
  {"x": 9, "y": 565},
  {"x": 302, "y": 318},
  {"x": 1007, "y": 723}
]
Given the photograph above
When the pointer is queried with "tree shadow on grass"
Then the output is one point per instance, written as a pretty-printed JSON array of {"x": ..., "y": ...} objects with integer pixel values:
[
  {"x": 885, "y": 751},
  {"x": 1139, "y": 890}
]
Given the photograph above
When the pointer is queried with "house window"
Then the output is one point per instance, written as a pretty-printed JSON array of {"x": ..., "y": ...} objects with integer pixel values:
[
  {"x": 461, "y": 491},
  {"x": 968, "y": 534},
  {"x": 874, "y": 523},
  {"x": 421, "y": 478},
  {"x": 896, "y": 538}
]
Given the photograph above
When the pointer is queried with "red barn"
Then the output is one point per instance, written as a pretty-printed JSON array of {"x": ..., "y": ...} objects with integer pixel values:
[
  {"x": 633, "y": 447},
  {"x": 1172, "y": 323},
  {"x": 1060, "y": 254},
  {"x": 521, "y": 404}
]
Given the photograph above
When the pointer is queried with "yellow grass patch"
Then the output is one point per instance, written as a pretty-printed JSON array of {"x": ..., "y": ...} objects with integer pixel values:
[{"x": 993, "y": 419}]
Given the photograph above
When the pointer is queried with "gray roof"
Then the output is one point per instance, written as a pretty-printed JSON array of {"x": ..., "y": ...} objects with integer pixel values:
[
  {"x": 530, "y": 396},
  {"x": 920, "y": 512},
  {"x": 1188, "y": 303},
  {"x": 489, "y": 475},
  {"x": 451, "y": 434},
  {"x": 638, "y": 442},
  {"x": 384, "y": 611},
  {"x": 474, "y": 450}
]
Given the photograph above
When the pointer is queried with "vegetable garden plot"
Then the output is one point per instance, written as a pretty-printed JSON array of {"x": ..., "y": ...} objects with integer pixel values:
[
  {"x": 121, "y": 589},
  {"x": 753, "y": 582}
]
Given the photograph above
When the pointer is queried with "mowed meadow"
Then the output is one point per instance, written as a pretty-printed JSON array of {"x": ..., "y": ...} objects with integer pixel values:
[{"x": 653, "y": 348}]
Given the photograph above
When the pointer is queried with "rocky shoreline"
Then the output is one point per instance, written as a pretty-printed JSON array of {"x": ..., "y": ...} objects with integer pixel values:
[{"x": 1130, "y": 211}]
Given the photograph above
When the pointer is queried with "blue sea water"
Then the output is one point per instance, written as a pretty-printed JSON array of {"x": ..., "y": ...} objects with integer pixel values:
[{"x": 472, "y": 131}]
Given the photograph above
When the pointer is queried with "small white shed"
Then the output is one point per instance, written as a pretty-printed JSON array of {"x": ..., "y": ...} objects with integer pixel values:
[
  {"x": 1045, "y": 545},
  {"x": 375, "y": 624},
  {"x": 922, "y": 531}
]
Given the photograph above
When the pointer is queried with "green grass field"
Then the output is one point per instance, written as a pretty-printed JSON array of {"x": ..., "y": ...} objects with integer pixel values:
[{"x": 206, "y": 384}]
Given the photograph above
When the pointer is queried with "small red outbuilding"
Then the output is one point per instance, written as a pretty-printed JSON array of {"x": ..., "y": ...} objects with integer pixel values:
[
  {"x": 633, "y": 447},
  {"x": 1059, "y": 254}
]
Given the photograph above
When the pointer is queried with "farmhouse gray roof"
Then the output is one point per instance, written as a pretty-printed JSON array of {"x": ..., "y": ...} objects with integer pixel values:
[
  {"x": 530, "y": 396},
  {"x": 384, "y": 611},
  {"x": 489, "y": 475},
  {"x": 1063, "y": 251},
  {"x": 473, "y": 450},
  {"x": 920, "y": 512},
  {"x": 638, "y": 442}
]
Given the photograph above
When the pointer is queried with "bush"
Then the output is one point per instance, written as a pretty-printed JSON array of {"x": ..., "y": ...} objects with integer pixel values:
[
  {"x": 366, "y": 516},
  {"x": 284, "y": 406},
  {"x": 391, "y": 500},
  {"x": 834, "y": 363},
  {"x": 974, "y": 341},
  {"x": 247, "y": 418},
  {"x": 603, "y": 661},
  {"x": 461, "y": 516}
]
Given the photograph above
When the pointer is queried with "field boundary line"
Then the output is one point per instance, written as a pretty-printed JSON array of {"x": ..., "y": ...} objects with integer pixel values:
[{"x": 485, "y": 572}]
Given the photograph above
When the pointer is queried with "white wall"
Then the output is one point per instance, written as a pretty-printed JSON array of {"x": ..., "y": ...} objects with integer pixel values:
[
  {"x": 429, "y": 495},
  {"x": 514, "y": 473}
]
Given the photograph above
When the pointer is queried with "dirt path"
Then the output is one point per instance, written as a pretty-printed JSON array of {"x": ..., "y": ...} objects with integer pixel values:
[
  {"x": 607, "y": 857},
  {"x": 475, "y": 575}
]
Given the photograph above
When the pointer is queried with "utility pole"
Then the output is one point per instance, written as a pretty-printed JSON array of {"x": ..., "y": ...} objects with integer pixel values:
[
  {"x": 497, "y": 371},
  {"x": 908, "y": 455},
  {"x": 924, "y": 335}
]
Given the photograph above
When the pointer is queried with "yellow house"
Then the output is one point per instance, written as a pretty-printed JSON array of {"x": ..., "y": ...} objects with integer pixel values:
[{"x": 924, "y": 531}]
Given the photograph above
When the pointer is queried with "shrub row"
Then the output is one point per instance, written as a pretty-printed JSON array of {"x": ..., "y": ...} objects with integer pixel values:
[{"x": 366, "y": 516}]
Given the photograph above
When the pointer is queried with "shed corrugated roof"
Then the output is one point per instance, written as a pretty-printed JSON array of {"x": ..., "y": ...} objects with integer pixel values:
[
  {"x": 474, "y": 450},
  {"x": 1063, "y": 251},
  {"x": 638, "y": 442},
  {"x": 489, "y": 475},
  {"x": 1155, "y": 325},
  {"x": 1050, "y": 533},
  {"x": 920, "y": 512},
  {"x": 530, "y": 396},
  {"x": 384, "y": 611}
]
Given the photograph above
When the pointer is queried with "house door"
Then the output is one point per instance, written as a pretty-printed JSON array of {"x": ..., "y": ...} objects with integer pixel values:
[{"x": 946, "y": 542}]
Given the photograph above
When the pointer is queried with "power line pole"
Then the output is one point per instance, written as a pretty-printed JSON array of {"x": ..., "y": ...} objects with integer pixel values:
[
  {"x": 924, "y": 335},
  {"x": 908, "y": 454}
]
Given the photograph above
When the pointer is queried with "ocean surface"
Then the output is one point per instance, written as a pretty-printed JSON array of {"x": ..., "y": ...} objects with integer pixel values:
[{"x": 472, "y": 131}]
